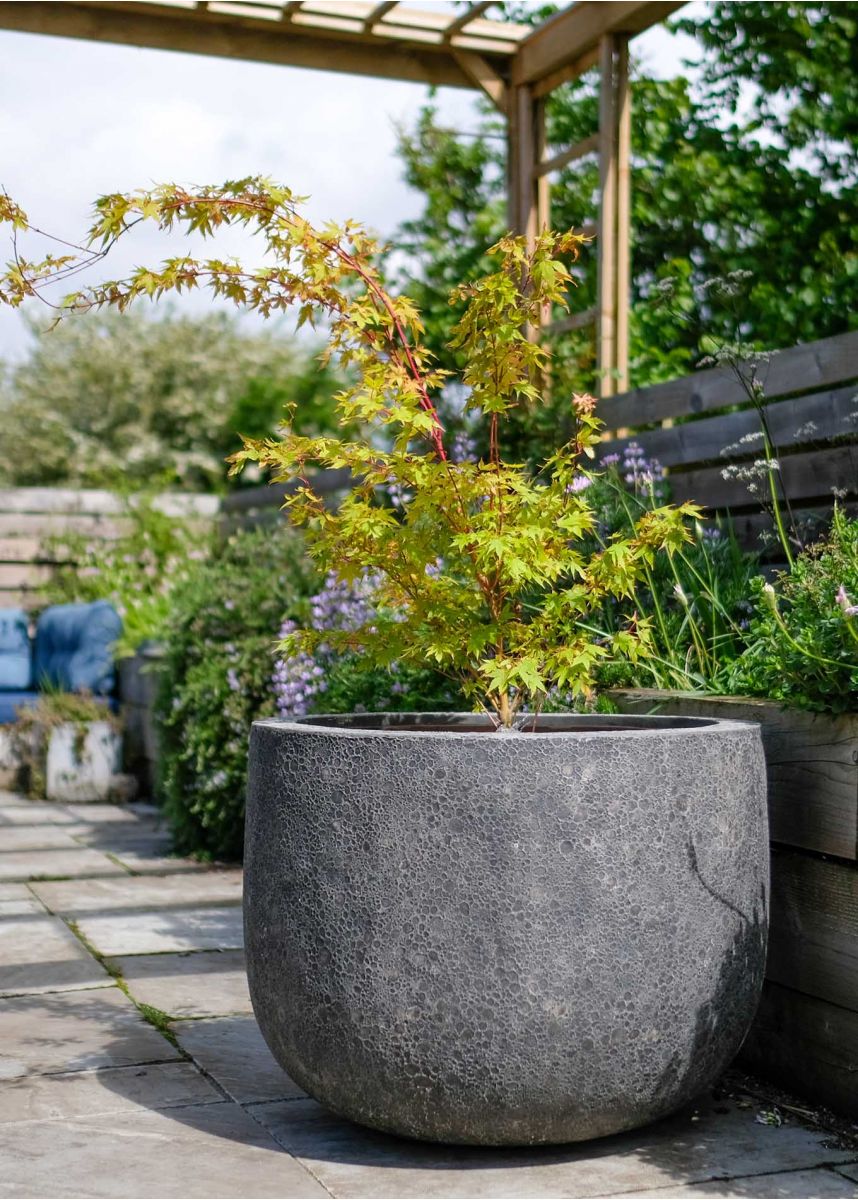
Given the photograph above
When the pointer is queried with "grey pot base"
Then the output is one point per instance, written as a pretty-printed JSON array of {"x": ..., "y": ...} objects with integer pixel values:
[{"x": 505, "y": 939}]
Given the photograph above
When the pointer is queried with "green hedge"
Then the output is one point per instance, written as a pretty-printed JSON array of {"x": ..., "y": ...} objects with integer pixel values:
[{"x": 216, "y": 680}]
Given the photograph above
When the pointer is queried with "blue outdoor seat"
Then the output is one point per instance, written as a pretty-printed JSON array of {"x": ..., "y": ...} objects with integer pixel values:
[
  {"x": 72, "y": 652},
  {"x": 10, "y": 702}
]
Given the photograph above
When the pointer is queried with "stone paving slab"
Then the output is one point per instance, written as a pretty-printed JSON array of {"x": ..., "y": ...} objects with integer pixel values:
[
  {"x": 99, "y": 814},
  {"x": 357, "y": 1163},
  {"x": 234, "y": 1053},
  {"x": 39, "y": 953},
  {"x": 203, "y": 983},
  {"x": 149, "y": 843},
  {"x": 80, "y": 863},
  {"x": 162, "y": 930},
  {"x": 35, "y": 813},
  {"x": 210, "y": 1151},
  {"x": 76, "y": 1031},
  {"x": 15, "y": 891},
  {"x": 25, "y": 905},
  {"x": 850, "y": 1170},
  {"x": 113, "y": 1089},
  {"x": 75, "y": 899},
  {"x": 819, "y": 1183},
  {"x": 140, "y": 862},
  {"x": 36, "y": 837}
]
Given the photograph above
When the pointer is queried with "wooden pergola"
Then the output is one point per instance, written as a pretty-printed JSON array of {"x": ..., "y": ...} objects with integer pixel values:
[{"x": 516, "y": 66}]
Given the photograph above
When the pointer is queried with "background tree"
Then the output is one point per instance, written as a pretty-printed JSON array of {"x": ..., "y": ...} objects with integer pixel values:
[
  {"x": 125, "y": 400},
  {"x": 752, "y": 168}
]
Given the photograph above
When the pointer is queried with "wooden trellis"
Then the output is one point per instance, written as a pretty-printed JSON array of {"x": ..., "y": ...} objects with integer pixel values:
[{"x": 516, "y": 66}]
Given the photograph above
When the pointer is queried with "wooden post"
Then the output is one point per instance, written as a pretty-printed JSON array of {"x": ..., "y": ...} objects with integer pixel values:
[
  {"x": 513, "y": 156},
  {"x": 607, "y": 241},
  {"x": 527, "y": 202},
  {"x": 624, "y": 213},
  {"x": 542, "y": 189}
]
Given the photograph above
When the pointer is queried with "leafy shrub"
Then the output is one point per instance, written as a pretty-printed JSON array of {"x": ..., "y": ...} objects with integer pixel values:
[
  {"x": 803, "y": 642},
  {"x": 215, "y": 680},
  {"x": 332, "y": 681},
  {"x": 697, "y": 602},
  {"x": 483, "y": 572},
  {"x": 135, "y": 572},
  {"x": 115, "y": 399}
]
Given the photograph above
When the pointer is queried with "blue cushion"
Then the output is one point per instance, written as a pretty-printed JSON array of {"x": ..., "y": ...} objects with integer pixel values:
[
  {"x": 74, "y": 647},
  {"x": 16, "y": 658},
  {"x": 10, "y": 701}
]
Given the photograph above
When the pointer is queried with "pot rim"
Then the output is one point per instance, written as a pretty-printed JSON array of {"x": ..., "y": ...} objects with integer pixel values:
[{"x": 660, "y": 725}]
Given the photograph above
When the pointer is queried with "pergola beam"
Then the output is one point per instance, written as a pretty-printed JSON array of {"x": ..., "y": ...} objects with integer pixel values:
[
  {"x": 209, "y": 34},
  {"x": 517, "y": 68},
  {"x": 380, "y": 10},
  {"x": 470, "y": 14},
  {"x": 481, "y": 73},
  {"x": 578, "y": 30}
]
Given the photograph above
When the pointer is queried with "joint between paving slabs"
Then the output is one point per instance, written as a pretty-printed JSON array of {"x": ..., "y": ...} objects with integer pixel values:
[
  {"x": 161, "y": 1021},
  {"x": 155, "y": 1017}
]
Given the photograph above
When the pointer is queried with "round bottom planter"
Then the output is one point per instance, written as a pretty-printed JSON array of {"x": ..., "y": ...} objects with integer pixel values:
[{"x": 503, "y": 938}]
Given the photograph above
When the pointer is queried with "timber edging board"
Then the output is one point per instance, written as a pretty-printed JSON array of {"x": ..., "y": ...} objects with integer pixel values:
[{"x": 805, "y": 1035}]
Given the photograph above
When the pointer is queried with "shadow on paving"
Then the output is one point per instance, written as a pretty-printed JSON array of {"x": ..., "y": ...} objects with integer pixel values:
[
  {"x": 72, "y": 1032},
  {"x": 711, "y": 1139}
]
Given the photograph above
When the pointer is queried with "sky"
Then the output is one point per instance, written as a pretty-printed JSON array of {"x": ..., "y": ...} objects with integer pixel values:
[{"x": 79, "y": 119}]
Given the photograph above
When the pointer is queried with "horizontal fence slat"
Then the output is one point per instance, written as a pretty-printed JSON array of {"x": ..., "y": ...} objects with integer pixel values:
[
  {"x": 813, "y": 942},
  {"x": 21, "y": 598},
  {"x": 94, "y": 501},
  {"x": 806, "y": 476},
  {"x": 272, "y": 495},
  {"x": 24, "y": 550},
  {"x": 811, "y": 523},
  {"x": 24, "y": 575},
  {"x": 815, "y": 365},
  {"x": 48, "y": 524},
  {"x": 704, "y": 440}
]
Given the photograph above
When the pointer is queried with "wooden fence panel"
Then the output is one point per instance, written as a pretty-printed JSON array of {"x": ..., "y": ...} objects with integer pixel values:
[
  {"x": 833, "y": 414},
  {"x": 31, "y": 517},
  {"x": 694, "y": 426},
  {"x": 815, "y": 365}
]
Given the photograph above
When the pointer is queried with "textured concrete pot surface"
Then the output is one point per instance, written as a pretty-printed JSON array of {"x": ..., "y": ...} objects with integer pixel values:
[{"x": 468, "y": 936}]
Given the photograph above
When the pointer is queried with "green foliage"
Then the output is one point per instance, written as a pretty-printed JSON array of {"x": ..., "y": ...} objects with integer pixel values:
[
  {"x": 136, "y": 572},
  {"x": 112, "y": 402},
  {"x": 353, "y": 685},
  {"x": 800, "y": 62},
  {"x": 803, "y": 641},
  {"x": 696, "y": 601},
  {"x": 481, "y": 571},
  {"x": 215, "y": 680},
  {"x": 770, "y": 191}
]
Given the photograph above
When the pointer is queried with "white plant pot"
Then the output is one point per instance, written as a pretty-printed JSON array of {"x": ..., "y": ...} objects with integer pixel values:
[
  {"x": 10, "y": 762},
  {"x": 80, "y": 771}
]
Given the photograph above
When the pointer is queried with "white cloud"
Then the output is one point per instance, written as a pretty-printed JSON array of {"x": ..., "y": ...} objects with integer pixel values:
[{"x": 78, "y": 119}]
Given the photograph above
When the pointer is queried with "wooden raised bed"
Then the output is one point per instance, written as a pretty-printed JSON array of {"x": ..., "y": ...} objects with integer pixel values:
[{"x": 806, "y": 1032}]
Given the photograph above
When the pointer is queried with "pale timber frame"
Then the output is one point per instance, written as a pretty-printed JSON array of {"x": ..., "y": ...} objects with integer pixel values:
[{"x": 516, "y": 66}]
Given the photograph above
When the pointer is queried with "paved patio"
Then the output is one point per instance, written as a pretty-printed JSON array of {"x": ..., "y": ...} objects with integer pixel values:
[{"x": 131, "y": 1065}]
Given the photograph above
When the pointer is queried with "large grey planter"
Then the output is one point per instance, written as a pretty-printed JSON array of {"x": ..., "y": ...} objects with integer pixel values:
[{"x": 467, "y": 936}]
